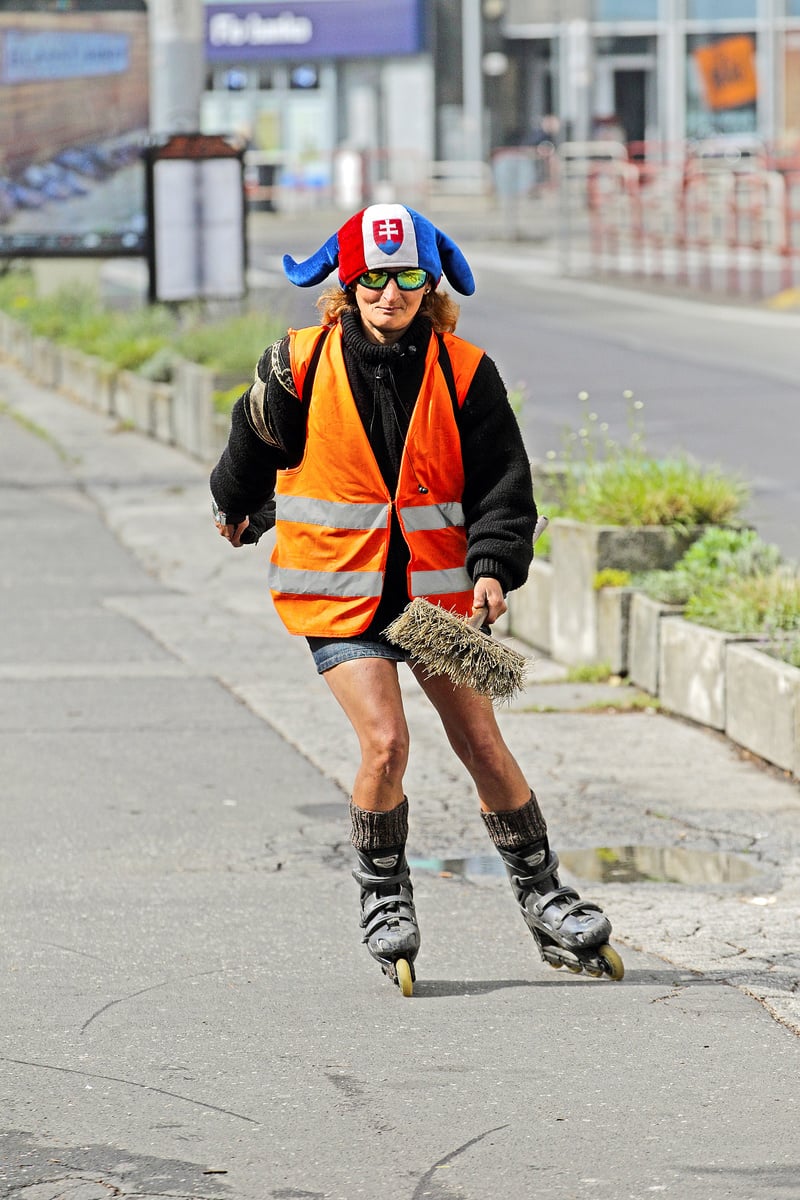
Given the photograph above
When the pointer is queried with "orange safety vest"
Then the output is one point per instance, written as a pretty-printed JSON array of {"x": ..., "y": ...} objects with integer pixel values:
[{"x": 333, "y": 511}]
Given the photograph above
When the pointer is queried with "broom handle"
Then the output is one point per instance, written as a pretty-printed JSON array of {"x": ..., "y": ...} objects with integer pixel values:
[{"x": 479, "y": 616}]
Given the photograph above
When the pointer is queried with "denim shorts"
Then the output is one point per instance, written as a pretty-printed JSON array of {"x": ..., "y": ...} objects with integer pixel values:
[{"x": 329, "y": 652}]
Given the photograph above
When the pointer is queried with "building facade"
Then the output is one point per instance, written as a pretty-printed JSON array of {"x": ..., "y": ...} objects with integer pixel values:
[
  {"x": 658, "y": 71},
  {"x": 317, "y": 86},
  {"x": 327, "y": 89}
]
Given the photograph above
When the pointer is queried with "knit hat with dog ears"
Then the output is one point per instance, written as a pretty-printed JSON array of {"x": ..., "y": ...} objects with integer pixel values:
[{"x": 384, "y": 237}]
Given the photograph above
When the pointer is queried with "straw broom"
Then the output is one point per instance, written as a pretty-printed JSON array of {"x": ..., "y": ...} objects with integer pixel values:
[{"x": 445, "y": 643}]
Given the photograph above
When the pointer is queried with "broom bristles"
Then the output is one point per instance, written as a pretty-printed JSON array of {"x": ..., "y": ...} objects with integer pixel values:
[{"x": 444, "y": 644}]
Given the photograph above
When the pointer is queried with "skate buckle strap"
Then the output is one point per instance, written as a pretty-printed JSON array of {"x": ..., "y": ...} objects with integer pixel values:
[
  {"x": 526, "y": 876},
  {"x": 370, "y": 882},
  {"x": 577, "y": 907}
]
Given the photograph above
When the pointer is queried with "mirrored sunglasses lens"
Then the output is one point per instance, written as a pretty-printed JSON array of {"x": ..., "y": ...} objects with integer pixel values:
[
  {"x": 374, "y": 279},
  {"x": 412, "y": 279}
]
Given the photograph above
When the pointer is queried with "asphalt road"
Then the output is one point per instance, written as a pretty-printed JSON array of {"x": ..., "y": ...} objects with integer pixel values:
[{"x": 186, "y": 1006}]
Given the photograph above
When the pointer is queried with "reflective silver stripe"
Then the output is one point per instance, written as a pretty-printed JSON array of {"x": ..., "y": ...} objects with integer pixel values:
[
  {"x": 440, "y": 583},
  {"x": 306, "y": 510},
  {"x": 419, "y": 517},
  {"x": 325, "y": 583}
]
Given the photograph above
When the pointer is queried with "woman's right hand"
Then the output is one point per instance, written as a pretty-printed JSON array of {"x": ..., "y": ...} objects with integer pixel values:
[{"x": 233, "y": 533}]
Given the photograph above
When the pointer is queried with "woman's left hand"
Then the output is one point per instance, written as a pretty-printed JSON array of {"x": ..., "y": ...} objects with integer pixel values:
[{"x": 488, "y": 594}]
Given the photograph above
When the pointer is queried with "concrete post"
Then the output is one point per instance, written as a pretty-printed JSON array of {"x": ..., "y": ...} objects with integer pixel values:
[
  {"x": 177, "y": 65},
  {"x": 472, "y": 78}
]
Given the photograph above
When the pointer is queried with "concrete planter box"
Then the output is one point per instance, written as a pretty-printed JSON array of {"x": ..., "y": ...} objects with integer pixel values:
[
  {"x": 7, "y": 333},
  {"x": 44, "y": 364},
  {"x": 193, "y": 410},
  {"x": 612, "y": 607},
  {"x": 644, "y": 639},
  {"x": 529, "y": 607},
  {"x": 144, "y": 404},
  {"x": 88, "y": 379},
  {"x": 162, "y": 399},
  {"x": 692, "y": 674},
  {"x": 18, "y": 341},
  {"x": 763, "y": 705},
  {"x": 578, "y": 552}
]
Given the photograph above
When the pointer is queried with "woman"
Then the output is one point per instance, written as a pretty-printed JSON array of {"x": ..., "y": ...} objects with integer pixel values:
[{"x": 400, "y": 471}]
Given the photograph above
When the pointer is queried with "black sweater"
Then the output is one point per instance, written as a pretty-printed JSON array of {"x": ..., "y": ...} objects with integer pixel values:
[{"x": 499, "y": 508}]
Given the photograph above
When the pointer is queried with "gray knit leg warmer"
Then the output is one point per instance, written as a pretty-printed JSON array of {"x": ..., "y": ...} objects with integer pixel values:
[
  {"x": 372, "y": 831},
  {"x": 516, "y": 828}
]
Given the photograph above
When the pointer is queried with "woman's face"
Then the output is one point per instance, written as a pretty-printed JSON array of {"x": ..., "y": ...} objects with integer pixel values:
[{"x": 387, "y": 312}]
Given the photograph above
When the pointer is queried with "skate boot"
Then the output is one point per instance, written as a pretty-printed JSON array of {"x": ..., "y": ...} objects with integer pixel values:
[
  {"x": 570, "y": 932},
  {"x": 388, "y": 917}
]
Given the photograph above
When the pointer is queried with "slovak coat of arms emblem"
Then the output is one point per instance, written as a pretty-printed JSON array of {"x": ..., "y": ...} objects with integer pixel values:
[{"x": 388, "y": 235}]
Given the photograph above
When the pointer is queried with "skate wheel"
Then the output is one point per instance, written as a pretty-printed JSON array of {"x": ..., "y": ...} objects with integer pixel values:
[
  {"x": 612, "y": 963},
  {"x": 405, "y": 980},
  {"x": 555, "y": 965},
  {"x": 574, "y": 968}
]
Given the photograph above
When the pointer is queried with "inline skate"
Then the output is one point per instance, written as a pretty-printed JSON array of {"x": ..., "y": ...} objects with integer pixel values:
[
  {"x": 388, "y": 917},
  {"x": 570, "y": 932}
]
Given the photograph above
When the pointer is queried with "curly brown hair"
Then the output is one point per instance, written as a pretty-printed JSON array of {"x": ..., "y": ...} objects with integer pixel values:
[{"x": 440, "y": 307}]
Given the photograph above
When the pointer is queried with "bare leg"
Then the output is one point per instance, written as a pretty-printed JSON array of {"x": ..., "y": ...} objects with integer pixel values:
[
  {"x": 471, "y": 726},
  {"x": 368, "y": 691}
]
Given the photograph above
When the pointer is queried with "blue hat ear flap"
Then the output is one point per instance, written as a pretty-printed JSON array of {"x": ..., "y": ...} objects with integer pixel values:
[
  {"x": 454, "y": 265},
  {"x": 316, "y": 268}
]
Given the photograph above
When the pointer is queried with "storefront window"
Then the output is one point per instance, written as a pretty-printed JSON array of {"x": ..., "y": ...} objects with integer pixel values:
[
  {"x": 721, "y": 85},
  {"x": 626, "y": 10},
  {"x": 720, "y": 10}
]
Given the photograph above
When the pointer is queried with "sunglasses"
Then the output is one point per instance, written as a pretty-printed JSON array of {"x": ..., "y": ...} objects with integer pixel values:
[{"x": 410, "y": 280}]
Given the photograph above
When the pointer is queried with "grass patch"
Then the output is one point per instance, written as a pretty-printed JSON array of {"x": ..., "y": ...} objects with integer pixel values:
[
  {"x": 589, "y": 673},
  {"x": 631, "y": 704},
  {"x": 601, "y": 481},
  {"x": 37, "y": 430},
  {"x": 146, "y": 340},
  {"x": 733, "y": 581}
]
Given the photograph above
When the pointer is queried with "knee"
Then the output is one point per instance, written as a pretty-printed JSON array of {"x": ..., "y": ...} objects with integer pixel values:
[{"x": 387, "y": 751}]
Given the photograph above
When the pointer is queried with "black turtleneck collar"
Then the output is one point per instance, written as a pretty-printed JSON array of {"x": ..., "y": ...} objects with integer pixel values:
[{"x": 414, "y": 340}]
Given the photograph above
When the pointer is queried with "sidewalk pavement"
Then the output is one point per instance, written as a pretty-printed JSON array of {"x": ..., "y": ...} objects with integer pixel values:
[{"x": 187, "y": 1009}]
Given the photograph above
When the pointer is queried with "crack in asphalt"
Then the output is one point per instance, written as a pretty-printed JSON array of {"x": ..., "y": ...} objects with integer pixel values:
[
  {"x": 146, "y": 1087},
  {"x": 428, "y": 1177},
  {"x": 154, "y": 987}
]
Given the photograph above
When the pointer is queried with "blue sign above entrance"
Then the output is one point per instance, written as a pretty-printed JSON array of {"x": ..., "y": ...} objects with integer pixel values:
[{"x": 315, "y": 29}]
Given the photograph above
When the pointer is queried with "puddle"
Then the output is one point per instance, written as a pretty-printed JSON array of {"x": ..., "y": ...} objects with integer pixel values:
[{"x": 617, "y": 864}]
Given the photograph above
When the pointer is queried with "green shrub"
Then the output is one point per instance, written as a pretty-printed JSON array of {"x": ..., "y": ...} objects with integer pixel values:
[
  {"x": 757, "y": 604},
  {"x": 786, "y": 651},
  {"x": 604, "y": 482},
  {"x": 731, "y": 580},
  {"x": 145, "y": 339},
  {"x": 233, "y": 345},
  {"x": 716, "y": 558}
]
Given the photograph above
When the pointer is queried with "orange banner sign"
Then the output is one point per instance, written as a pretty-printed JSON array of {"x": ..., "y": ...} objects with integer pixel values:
[{"x": 728, "y": 72}]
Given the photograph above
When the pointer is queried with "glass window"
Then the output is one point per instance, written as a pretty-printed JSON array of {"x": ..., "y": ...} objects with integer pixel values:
[
  {"x": 793, "y": 8},
  {"x": 626, "y": 10},
  {"x": 721, "y": 85},
  {"x": 720, "y": 10}
]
